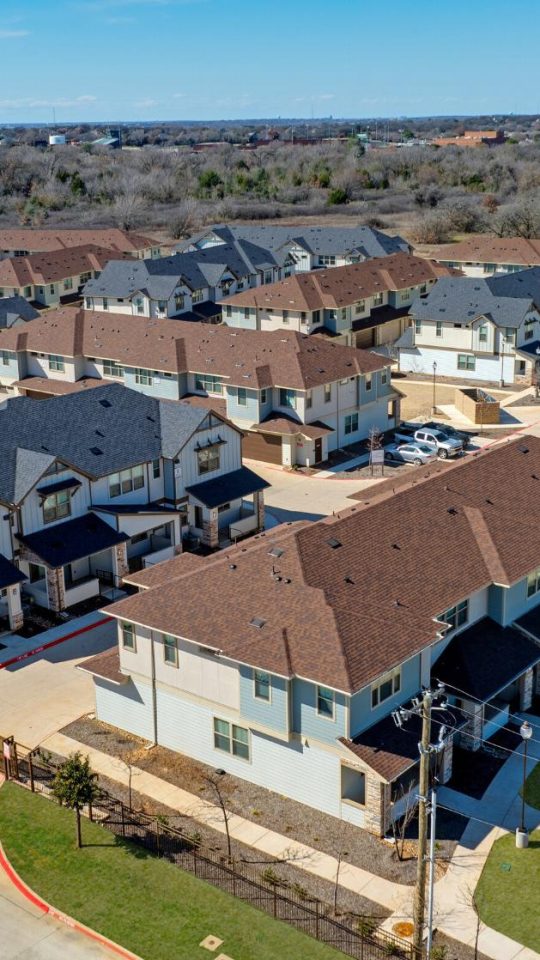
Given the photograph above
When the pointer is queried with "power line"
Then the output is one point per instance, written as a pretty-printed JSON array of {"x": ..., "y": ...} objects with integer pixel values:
[{"x": 484, "y": 703}]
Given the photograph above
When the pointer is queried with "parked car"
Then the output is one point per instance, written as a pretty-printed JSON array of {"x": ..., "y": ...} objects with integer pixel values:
[
  {"x": 418, "y": 453},
  {"x": 464, "y": 435},
  {"x": 435, "y": 439}
]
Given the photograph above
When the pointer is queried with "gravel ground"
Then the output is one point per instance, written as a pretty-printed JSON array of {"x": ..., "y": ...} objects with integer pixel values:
[{"x": 271, "y": 810}]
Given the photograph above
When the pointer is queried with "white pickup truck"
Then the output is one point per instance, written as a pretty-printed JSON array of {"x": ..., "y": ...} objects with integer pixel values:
[{"x": 445, "y": 446}]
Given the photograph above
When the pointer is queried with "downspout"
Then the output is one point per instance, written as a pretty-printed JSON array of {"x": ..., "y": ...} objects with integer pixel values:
[
  {"x": 337, "y": 412},
  {"x": 154, "y": 699}
]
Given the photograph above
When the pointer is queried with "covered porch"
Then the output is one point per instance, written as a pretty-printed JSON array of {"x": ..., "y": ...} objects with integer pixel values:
[
  {"x": 70, "y": 562},
  {"x": 153, "y": 529},
  {"x": 11, "y": 615},
  {"x": 219, "y": 511},
  {"x": 302, "y": 444}
]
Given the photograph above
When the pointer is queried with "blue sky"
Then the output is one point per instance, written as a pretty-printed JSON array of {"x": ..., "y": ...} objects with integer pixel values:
[{"x": 213, "y": 59}]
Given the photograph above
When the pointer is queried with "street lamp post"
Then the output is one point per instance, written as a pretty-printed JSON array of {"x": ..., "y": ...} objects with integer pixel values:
[
  {"x": 522, "y": 836},
  {"x": 434, "y": 407}
]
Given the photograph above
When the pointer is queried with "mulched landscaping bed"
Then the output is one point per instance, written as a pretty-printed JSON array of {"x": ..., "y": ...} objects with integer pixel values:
[{"x": 257, "y": 804}]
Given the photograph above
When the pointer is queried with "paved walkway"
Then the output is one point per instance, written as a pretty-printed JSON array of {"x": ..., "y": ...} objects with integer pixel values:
[{"x": 454, "y": 914}]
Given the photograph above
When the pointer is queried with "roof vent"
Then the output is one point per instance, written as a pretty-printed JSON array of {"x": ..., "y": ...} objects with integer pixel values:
[
  {"x": 396, "y": 546},
  {"x": 452, "y": 511},
  {"x": 332, "y": 542},
  {"x": 96, "y": 451},
  {"x": 348, "y": 580},
  {"x": 523, "y": 449},
  {"x": 276, "y": 552},
  {"x": 105, "y": 403},
  {"x": 232, "y": 566},
  {"x": 257, "y": 622}
]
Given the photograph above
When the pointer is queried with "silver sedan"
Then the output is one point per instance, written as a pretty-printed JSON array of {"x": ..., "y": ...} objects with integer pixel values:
[{"x": 418, "y": 453}]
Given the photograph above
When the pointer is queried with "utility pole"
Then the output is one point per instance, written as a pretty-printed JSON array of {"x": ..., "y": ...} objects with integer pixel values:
[{"x": 423, "y": 787}]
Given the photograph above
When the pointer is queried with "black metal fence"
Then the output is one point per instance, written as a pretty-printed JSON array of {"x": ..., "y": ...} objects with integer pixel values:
[{"x": 358, "y": 938}]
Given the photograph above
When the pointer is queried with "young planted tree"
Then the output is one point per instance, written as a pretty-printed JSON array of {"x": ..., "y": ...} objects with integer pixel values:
[{"x": 74, "y": 785}]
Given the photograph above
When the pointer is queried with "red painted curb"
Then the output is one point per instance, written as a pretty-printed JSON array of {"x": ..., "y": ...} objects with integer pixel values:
[
  {"x": 54, "y": 643},
  {"x": 29, "y": 894}
]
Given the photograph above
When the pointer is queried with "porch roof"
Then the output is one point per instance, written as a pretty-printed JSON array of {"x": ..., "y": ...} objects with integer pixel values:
[
  {"x": 387, "y": 749},
  {"x": 65, "y": 542},
  {"x": 68, "y": 484},
  {"x": 232, "y": 486},
  {"x": 483, "y": 660},
  {"x": 132, "y": 509},
  {"x": 105, "y": 666},
  {"x": 530, "y": 622},
  {"x": 287, "y": 426},
  {"x": 9, "y": 573}
]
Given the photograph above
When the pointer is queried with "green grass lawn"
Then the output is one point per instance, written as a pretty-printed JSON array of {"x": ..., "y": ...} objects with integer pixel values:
[
  {"x": 532, "y": 788},
  {"x": 507, "y": 895},
  {"x": 147, "y": 905}
]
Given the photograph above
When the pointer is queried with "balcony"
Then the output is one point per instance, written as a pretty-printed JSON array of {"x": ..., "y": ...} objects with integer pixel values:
[{"x": 80, "y": 590}]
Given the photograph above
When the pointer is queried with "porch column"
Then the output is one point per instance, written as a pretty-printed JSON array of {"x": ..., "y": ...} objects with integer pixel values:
[
  {"x": 210, "y": 535},
  {"x": 258, "y": 502},
  {"x": 15, "y": 613},
  {"x": 473, "y": 729},
  {"x": 377, "y": 814},
  {"x": 119, "y": 562},
  {"x": 447, "y": 758},
  {"x": 56, "y": 588},
  {"x": 526, "y": 689}
]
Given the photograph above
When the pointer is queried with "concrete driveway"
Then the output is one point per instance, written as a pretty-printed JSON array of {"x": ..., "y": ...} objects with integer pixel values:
[{"x": 45, "y": 692}]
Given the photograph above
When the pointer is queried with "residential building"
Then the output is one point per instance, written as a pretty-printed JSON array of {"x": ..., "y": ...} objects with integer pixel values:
[
  {"x": 473, "y": 139},
  {"x": 185, "y": 285},
  {"x": 28, "y": 240},
  {"x": 296, "y": 398},
  {"x": 483, "y": 330},
  {"x": 51, "y": 278},
  {"x": 14, "y": 311},
  {"x": 108, "y": 480},
  {"x": 282, "y": 663},
  {"x": 483, "y": 255},
  {"x": 309, "y": 247},
  {"x": 363, "y": 304}
]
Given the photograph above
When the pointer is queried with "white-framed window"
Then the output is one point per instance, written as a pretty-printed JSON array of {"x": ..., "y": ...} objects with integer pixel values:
[
  {"x": 327, "y": 261},
  {"x": 418, "y": 326},
  {"x": 377, "y": 299},
  {"x": 264, "y": 395},
  {"x": 360, "y": 306},
  {"x": 56, "y": 362},
  {"x": 368, "y": 381},
  {"x": 385, "y": 687},
  {"x": 197, "y": 296},
  {"x": 231, "y": 738},
  {"x": 170, "y": 650},
  {"x": 138, "y": 303},
  {"x": 57, "y": 506},
  {"x": 51, "y": 288},
  {"x": 456, "y": 616},
  {"x": 261, "y": 685},
  {"x": 208, "y": 383},
  {"x": 439, "y": 328},
  {"x": 285, "y": 316},
  {"x": 241, "y": 396},
  {"x": 325, "y": 702},
  {"x": 112, "y": 369},
  {"x": 143, "y": 377},
  {"x": 156, "y": 468},
  {"x": 327, "y": 392},
  {"x": 179, "y": 302},
  {"x": 509, "y": 334},
  {"x": 466, "y": 361},
  {"x": 351, "y": 423},
  {"x": 128, "y": 636},
  {"x": 309, "y": 399},
  {"x": 316, "y": 317},
  {"x": 384, "y": 376},
  {"x": 208, "y": 459},
  {"x": 303, "y": 317},
  {"x": 483, "y": 333},
  {"x": 529, "y": 328},
  {"x": 125, "y": 481},
  {"x": 533, "y": 582},
  {"x": 223, "y": 507},
  {"x": 105, "y": 303},
  {"x": 287, "y": 398},
  {"x": 68, "y": 283},
  {"x": 5, "y": 357}
]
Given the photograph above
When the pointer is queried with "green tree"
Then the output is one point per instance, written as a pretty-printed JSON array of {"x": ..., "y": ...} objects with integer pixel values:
[
  {"x": 337, "y": 196},
  {"x": 75, "y": 785}
]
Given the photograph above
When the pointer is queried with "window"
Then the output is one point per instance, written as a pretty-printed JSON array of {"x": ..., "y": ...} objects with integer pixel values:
[
  {"x": 208, "y": 459},
  {"x": 68, "y": 283},
  {"x": 231, "y": 738},
  {"x": 247, "y": 313},
  {"x": 509, "y": 334},
  {"x": 386, "y": 687},
  {"x": 36, "y": 572},
  {"x": 144, "y": 377},
  {"x": 316, "y": 317},
  {"x": 303, "y": 317},
  {"x": 156, "y": 469},
  {"x": 208, "y": 383},
  {"x": 360, "y": 306},
  {"x": 438, "y": 328},
  {"x": 267, "y": 276},
  {"x": 325, "y": 702},
  {"x": 51, "y": 288},
  {"x": 105, "y": 303},
  {"x": 5, "y": 357},
  {"x": 162, "y": 306},
  {"x": 418, "y": 326},
  {"x": 466, "y": 361},
  {"x": 112, "y": 369},
  {"x": 56, "y": 362},
  {"x": 197, "y": 296},
  {"x": 264, "y": 395},
  {"x": 285, "y": 316},
  {"x": 368, "y": 381},
  {"x": 482, "y": 334},
  {"x": 327, "y": 261},
  {"x": 287, "y": 398},
  {"x": 170, "y": 650},
  {"x": 126, "y": 481},
  {"x": 529, "y": 328},
  {"x": 384, "y": 376},
  {"x": 353, "y": 785},
  {"x": 533, "y": 582},
  {"x": 223, "y": 507},
  {"x": 138, "y": 303},
  {"x": 128, "y": 636},
  {"x": 138, "y": 537},
  {"x": 57, "y": 506},
  {"x": 327, "y": 392},
  {"x": 377, "y": 299},
  {"x": 404, "y": 296},
  {"x": 456, "y": 616},
  {"x": 178, "y": 302},
  {"x": 261, "y": 683},
  {"x": 351, "y": 423},
  {"x": 241, "y": 396},
  {"x": 309, "y": 399},
  {"x": 228, "y": 310},
  {"x": 422, "y": 288}
]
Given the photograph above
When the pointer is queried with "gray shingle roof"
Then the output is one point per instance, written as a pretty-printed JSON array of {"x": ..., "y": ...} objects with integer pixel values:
[
  {"x": 98, "y": 432},
  {"x": 15, "y": 308},
  {"x": 323, "y": 241},
  {"x": 463, "y": 299}
]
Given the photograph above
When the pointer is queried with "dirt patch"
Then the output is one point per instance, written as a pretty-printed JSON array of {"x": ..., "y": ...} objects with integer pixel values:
[
  {"x": 259, "y": 805},
  {"x": 529, "y": 400}
]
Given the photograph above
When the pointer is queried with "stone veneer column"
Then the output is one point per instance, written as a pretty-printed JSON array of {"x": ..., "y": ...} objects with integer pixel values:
[
  {"x": 447, "y": 758},
  {"x": 526, "y": 689},
  {"x": 15, "y": 613},
  {"x": 473, "y": 730},
  {"x": 377, "y": 813},
  {"x": 259, "y": 508},
  {"x": 119, "y": 562},
  {"x": 210, "y": 535},
  {"x": 56, "y": 588}
]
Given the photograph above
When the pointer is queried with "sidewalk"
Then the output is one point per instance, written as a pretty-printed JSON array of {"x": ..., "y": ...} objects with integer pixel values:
[{"x": 454, "y": 914}]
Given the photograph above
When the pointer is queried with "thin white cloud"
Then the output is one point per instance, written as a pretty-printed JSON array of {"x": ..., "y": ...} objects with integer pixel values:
[
  {"x": 13, "y": 34},
  {"x": 146, "y": 102},
  {"x": 62, "y": 102},
  {"x": 179, "y": 96}
]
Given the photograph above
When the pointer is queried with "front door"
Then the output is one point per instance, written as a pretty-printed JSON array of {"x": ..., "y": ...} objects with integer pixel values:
[{"x": 318, "y": 450}]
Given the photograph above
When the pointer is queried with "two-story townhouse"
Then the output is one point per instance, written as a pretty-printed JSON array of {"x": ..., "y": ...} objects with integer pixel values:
[
  {"x": 106, "y": 480},
  {"x": 290, "y": 683},
  {"x": 50, "y": 278},
  {"x": 15, "y": 311},
  {"x": 296, "y": 398},
  {"x": 309, "y": 247},
  {"x": 24, "y": 241},
  {"x": 362, "y": 304},
  {"x": 185, "y": 285},
  {"x": 486, "y": 330},
  {"x": 483, "y": 255}
]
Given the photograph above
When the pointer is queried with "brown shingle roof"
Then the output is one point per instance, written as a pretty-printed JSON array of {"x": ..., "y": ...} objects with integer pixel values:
[
  {"x": 484, "y": 249},
  {"x": 247, "y": 358},
  {"x": 43, "y": 241},
  {"x": 105, "y": 665},
  {"x": 57, "y": 388},
  {"x": 344, "y": 612},
  {"x": 44, "y": 268},
  {"x": 341, "y": 286}
]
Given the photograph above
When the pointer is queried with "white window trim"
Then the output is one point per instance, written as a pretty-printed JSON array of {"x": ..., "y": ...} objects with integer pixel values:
[
  {"x": 389, "y": 675},
  {"x": 325, "y": 716},
  {"x": 267, "y": 699}
]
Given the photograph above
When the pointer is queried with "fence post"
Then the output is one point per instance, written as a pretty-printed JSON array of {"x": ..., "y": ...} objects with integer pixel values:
[
  {"x": 275, "y": 900},
  {"x": 157, "y": 838},
  {"x": 316, "y": 919},
  {"x": 15, "y": 758},
  {"x": 194, "y": 861},
  {"x": 31, "y": 772},
  {"x": 123, "y": 821},
  {"x": 5, "y": 749}
]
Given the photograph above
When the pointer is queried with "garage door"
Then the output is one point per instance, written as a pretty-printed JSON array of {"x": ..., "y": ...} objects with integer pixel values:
[
  {"x": 364, "y": 338},
  {"x": 262, "y": 446}
]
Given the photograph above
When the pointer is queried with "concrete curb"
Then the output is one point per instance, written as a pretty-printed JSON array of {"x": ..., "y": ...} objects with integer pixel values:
[
  {"x": 53, "y": 643},
  {"x": 45, "y": 907}
]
